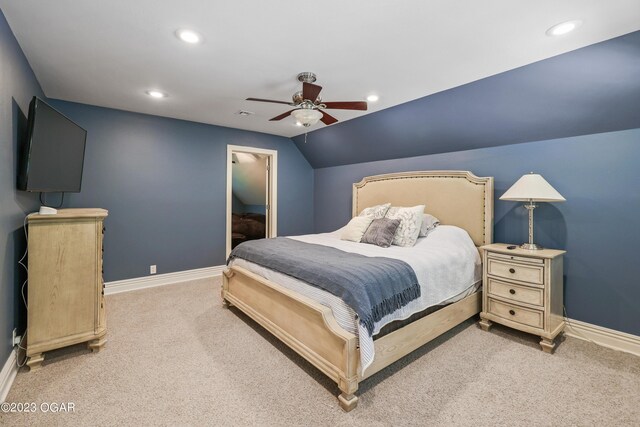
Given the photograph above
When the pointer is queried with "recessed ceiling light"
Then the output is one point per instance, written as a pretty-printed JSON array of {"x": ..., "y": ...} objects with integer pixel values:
[
  {"x": 189, "y": 36},
  {"x": 156, "y": 94},
  {"x": 372, "y": 98},
  {"x": 298, "y": 124},
  {"x": 563, "y": 28}
]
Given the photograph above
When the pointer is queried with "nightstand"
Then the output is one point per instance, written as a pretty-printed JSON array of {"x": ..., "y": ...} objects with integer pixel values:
[{"x": 523, "y": 290}]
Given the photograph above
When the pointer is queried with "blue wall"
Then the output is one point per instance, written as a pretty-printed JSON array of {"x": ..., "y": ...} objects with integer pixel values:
[
  {"x": 17, "y": 85},
  {"x": 599, "y": 175},
  {"x": 238, "y": 207},
  {"x": 261, "y": 209},
  {"x": 164, "y": 184},
  {"x": 236, "y": 204}
]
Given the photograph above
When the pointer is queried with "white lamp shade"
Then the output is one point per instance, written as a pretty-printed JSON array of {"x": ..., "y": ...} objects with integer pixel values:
[
  {"x": 306, "y": 116},
  {"x": 532, "y": 187}
]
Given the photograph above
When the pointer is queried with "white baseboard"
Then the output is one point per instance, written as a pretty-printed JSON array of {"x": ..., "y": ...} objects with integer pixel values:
[
  {"x": 137, "y": 283},
  {"x": 7, "y": 375},
  {"x": 605, "y": 337}
]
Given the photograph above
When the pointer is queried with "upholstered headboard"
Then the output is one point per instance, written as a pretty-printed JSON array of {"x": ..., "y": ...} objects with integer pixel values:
[{"x": 455, "y": 197}]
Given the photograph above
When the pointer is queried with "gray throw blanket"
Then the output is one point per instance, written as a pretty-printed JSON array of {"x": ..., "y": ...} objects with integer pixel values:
[{"x": 372, "y": 286}]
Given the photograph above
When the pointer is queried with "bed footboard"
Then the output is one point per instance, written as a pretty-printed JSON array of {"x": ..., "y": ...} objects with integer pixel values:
[
  {"x": 305, "y": 326},
  {"x": 311, "y": 330}
]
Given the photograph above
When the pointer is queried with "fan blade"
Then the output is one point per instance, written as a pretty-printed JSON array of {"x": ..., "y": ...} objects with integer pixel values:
[
  {"x": 310, "y": 91},
  {"x": 270, "y": 100},
  {"x": 327, "y": 119},
  {"x": 283, "y": 115},
  {"x": 355, "y": 105}
]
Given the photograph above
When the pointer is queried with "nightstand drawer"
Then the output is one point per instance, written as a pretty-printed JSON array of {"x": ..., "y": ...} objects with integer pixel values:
[
  {"x": 515, "y": 313},
  {"x": 511, "y": 270},
  {"x": 534, "y": 296},
  {"x": 526, "y": 260}
]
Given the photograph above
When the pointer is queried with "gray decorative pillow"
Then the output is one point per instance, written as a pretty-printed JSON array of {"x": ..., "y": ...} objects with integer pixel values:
[
  {"x": 410, "y": 223},
  {"x": 429, "y": 222},
  {"x": 377, "y": 211},
  {"x": 381, "y": 232}
]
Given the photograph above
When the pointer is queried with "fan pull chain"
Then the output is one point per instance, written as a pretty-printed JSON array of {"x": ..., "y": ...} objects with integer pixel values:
[{"x": 305, "y": 137}]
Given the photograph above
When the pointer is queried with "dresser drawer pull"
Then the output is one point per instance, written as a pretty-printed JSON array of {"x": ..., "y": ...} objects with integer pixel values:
[
  {"x": 512, "y": 291},
  {"x": 511, "y": 312},
  {"x": 512, "y": 270}
]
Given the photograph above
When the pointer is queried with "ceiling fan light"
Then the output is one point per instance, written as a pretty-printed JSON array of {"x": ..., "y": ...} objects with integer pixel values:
[{"x": 306, "y": 116}]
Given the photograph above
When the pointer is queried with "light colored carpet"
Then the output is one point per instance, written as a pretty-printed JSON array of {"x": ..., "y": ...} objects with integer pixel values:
[{"x": 176, "y": 357}]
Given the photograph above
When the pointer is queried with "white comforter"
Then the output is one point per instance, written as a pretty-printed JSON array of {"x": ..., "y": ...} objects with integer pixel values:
[{"x": 446, "y": 263}]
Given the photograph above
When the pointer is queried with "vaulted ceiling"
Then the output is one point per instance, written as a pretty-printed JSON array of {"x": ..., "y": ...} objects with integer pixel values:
[
  {"x": 591, "y": 90},
  {"x": 108, "y": 53}
]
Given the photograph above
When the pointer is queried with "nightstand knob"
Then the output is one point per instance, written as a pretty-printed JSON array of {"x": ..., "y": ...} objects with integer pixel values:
[
  {"x": 512, "y": 270},
  {"x": 511, "y": 312},
  {"x": 512, "y": 291}
]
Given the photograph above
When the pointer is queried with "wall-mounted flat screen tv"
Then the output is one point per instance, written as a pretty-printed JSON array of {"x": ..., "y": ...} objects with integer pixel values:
[{"x": 53, "y": 155}]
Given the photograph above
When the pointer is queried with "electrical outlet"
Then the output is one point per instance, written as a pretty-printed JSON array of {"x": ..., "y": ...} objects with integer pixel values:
[
  {"x": 152, "y": 269},
  {"x": 15, "y": 337}
]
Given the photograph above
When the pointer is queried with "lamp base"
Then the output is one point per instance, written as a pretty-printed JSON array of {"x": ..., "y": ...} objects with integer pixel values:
[{"x": 530, "y": 246}]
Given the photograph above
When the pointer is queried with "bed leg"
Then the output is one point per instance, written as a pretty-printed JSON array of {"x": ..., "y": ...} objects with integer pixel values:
[
  {"x": 227, "y": 274},
  {"x": 347, "y": 401}
]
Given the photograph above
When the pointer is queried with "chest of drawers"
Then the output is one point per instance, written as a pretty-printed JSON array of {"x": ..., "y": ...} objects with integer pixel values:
[
  {"x": 66, "y": 294},
  {"x": 523, "y": 289}
]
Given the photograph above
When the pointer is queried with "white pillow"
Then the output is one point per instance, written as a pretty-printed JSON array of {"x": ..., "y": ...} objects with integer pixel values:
[
  {"x": 410, "y": 223},
  {"x": 356, "y": 228},
  {"x": 377, "y": 211},
  {"x": 429, "y": 222}
]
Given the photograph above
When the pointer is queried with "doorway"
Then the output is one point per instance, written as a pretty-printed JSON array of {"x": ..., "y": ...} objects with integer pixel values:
[{"x": 251, "y": 194}]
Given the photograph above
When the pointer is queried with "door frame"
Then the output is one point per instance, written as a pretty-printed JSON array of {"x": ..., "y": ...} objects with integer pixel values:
[{"x": 272, "y": 189}]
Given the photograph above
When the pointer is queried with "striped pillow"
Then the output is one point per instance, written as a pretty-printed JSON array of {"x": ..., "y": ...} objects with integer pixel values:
[{"x": 381, "y": 232}]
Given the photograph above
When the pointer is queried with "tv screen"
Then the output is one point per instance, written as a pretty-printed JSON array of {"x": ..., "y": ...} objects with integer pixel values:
[{"x": 53, "y": 155}]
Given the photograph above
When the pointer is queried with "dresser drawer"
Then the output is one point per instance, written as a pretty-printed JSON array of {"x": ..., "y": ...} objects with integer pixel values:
[
  {"x": 511, "y": 270},
  {"x": 516, "y": 293},
  {"x": 515, "y": 313}
]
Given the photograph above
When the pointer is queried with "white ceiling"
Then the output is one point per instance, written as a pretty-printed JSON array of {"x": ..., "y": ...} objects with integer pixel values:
[{"x": 108, "y": 52}]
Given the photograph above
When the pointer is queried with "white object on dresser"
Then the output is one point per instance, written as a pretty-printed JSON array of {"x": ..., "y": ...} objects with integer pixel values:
[
  {"x": 523, "y": 290},
  {"x": 66, "y": 298}
]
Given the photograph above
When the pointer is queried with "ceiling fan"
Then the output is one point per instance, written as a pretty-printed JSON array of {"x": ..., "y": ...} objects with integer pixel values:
[{"x": 309, "y": 105}]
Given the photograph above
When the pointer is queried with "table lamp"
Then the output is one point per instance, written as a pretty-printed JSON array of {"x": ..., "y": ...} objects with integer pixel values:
[{"x": 532, "y": 188}]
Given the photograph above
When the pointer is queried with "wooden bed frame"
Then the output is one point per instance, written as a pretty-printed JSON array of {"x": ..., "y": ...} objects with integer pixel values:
[{"x": 455, "y": 197}]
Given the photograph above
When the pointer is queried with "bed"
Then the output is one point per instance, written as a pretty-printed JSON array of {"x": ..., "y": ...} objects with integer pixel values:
[{"x": 457, "y": 198}]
